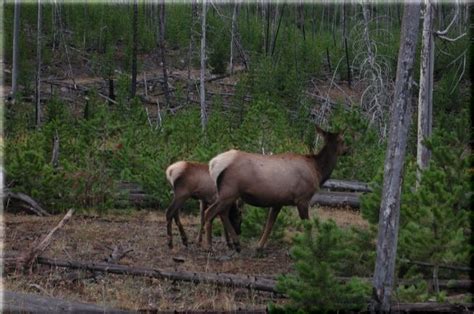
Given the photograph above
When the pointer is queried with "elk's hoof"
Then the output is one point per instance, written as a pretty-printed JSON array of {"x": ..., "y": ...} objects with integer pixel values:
[
  {"x": 259, "y": 252},
  {"x": 198, "y": 241},
  {"x": 185, "y": 242},
  {"x": 237, "y": 247}
]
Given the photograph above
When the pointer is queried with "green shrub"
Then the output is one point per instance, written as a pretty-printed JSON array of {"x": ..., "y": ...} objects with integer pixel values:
[
  {"x": 256, "y": 218},
  {"x": 319, "y": 253}
]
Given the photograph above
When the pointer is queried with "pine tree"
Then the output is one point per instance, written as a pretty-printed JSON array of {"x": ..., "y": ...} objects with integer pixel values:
[
  {"x": 435, "y": 219},
  {"x": 319, "y": 253}
]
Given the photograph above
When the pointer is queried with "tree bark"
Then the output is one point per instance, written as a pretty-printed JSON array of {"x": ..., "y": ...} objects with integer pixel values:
[
  {"x": 15, "y": 302},
  {"x": 29, "y": 203},
  {"x": 345, "y": 185},
  {"x": 38, "y": 68},
  {"x": 16, "y": 48},
  {"x": 221, "y": 279},
  {"x": 133, "y": 89},
  {"x": 232, "y": 37},
  {"x": 278, "y": 28},
  {"x": 398, "y": 133},
  {"x": 190, "y": 50},
  {"x": 425, "y": 98},
  {"x": 55, "y": 150},
  {"x": 27, "y": 258},
  {"x": 161, "y": 35},
  {"x": 203, "y": 67},
  {"x": 336, "y": 199}
]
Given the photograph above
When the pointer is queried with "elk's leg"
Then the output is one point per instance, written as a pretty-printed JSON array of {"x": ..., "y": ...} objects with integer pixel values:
[
  {"x": 202, "y": 208},
  {"x": 226, "y": 232},
  {"x": 272, "y": 215},
  {"x": 211, "y": 213},
  {"x": 303, "y": 210},
  {"x": 171, "y": 212},
  {"x": 184, "y": 238},
  {"x": 229, "y": 231}
]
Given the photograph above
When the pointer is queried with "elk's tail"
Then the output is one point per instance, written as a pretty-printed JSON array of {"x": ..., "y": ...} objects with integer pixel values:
[
  {"x": 218, "y": 164},
  {"x": 174, "y": 171}
]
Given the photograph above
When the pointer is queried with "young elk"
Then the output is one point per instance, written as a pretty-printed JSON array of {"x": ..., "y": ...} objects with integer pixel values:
[
  {"x": 192, "y": 180},
  {"x": 270, "y": 181}
]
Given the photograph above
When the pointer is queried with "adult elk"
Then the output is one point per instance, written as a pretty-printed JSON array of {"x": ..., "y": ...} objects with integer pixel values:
[
  {"x": 270, "y": 181},
  {"x": 192, "y": 180}
]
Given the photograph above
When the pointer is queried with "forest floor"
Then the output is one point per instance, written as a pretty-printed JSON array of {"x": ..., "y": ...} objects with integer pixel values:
[{"x": 90, "y": 238}]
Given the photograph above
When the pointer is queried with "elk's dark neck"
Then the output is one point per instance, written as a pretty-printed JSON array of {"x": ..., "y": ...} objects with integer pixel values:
[{"x": 325, "y": 161}]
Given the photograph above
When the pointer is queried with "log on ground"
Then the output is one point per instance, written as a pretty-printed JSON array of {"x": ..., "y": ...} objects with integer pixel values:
[
  {"x": 15, "y": 302},
  {"x": 24, "y": 202},
  {"x": 220, "y": 279},
  {"x": 347, "y": 185},
  {"x": 335, "y": 199},
  {"x": 431, "y": 307}
]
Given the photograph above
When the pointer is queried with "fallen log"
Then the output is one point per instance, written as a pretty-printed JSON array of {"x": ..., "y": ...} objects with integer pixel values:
[
  {"x": 15, "y": 302},
  {"x": 335, "y": 199},
  {"x": 26, "y": 259},
  {"x": 117, "y": 254},
  {"x": 345, "y": 185},
  {"x": 431, "y": 307},
  {"x": 220, "y": 279},
  {"x": 26, "y": 202},
  {"x": 450, "y": 267}
]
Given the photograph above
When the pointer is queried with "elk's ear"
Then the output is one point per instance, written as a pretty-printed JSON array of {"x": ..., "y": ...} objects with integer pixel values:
[
  {"x": 343, "y": 131},
  {"x": 320, "y": 131}
]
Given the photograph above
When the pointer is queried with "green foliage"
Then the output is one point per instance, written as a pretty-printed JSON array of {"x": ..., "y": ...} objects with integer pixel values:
[
  {"x": 363, "y": 143},
  {"x": 434, "y": 218},
  {"x": 255, "y": 219},
  {"x": 319, "y": 253}
]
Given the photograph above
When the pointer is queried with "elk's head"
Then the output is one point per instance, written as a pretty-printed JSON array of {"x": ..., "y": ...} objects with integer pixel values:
[{"x": 335, "y": 139}]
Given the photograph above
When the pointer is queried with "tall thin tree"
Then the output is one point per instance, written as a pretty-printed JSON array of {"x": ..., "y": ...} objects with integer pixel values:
[
  {"x": 38, "y": 68},
  {"x": 161, "y": 41},
  {"x": 16, "y": 48},
  {"x": 389, "y": 216},
  {"x": 133, "y": 89},
  {"x": 232, "y": 37},
  {"x": 191, "y": 49},
  {"x": 202, "y": 89},
  {"x": 425, "y": 98}
]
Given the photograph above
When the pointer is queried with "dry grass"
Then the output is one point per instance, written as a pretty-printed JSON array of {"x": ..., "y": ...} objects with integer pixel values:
[{"x": 91, "y": 238}]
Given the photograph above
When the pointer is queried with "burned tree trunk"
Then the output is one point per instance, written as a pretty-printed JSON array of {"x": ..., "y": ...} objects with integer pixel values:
[
  {"x": 16, "y": 48},
  {"x": 161, "y": 35},
  {"x": 232, "y": 37},
  {"x": 133, "y": 89},
  {"x": 203, "y": 66},
  {"x": 398, "y": 133},
  {"x": 38, "y": 69},
  {"x": 425, "y": 98},
  {"x": 190, "y": 50}
]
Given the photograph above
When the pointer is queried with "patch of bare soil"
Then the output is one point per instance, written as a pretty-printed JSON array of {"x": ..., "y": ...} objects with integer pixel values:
[{"x": 91, "y": 239}]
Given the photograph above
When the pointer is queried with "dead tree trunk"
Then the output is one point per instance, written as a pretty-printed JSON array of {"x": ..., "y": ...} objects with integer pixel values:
[
  {"x": 15, "y": 302},
  {"x": 278, "y": 28},
  {"x": 399, "y": 124},
  {"x": 161, "y": 35},
  {"x": 133, "y": 89},
  {"x": 190, "y": 50},
  {"x": 232, "y": 37},
  {"x": 16, "y": 48},
  {"x": 425, "y": 98},
  {"x": 221, "y": 279},
  {"x": 38, "y": 68},
  {"x": 203, "y": 66},
  {"x": 25, "y": 261},
  {"x": 55, "y": 150}
]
